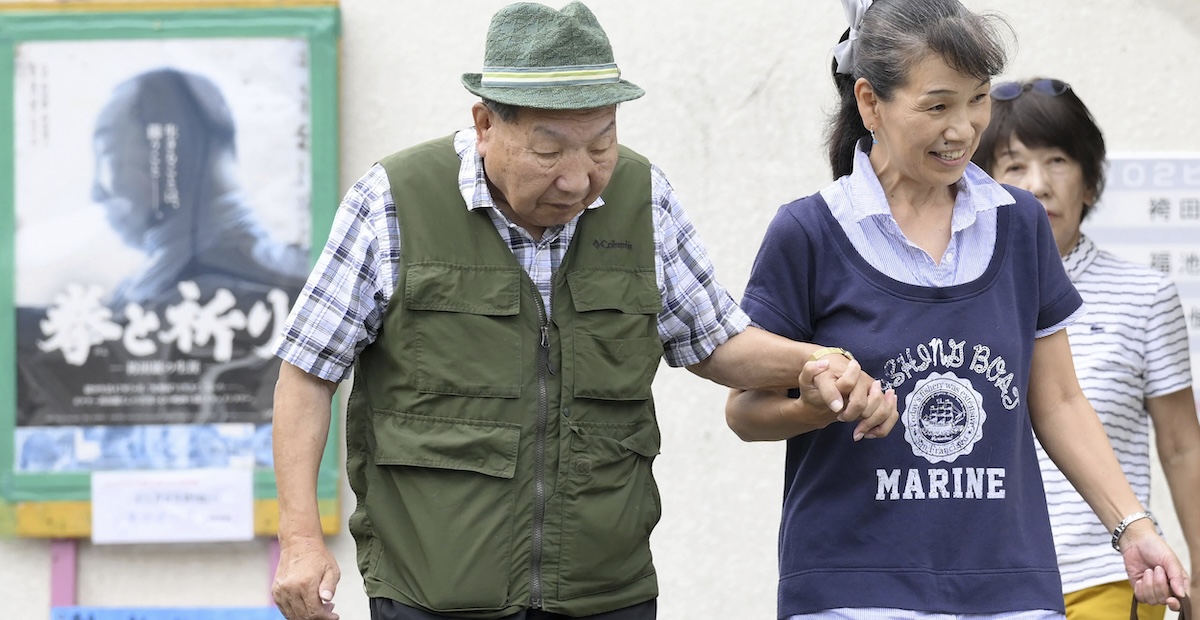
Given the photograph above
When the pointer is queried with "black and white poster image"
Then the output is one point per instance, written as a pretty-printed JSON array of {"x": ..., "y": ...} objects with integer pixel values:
[{"x": 162, "y": 232}]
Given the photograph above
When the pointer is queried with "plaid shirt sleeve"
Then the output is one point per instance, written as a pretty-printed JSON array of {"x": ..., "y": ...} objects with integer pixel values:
[
  {"x": 340, "y": 309},
  {"x": 698, "y": 314}
]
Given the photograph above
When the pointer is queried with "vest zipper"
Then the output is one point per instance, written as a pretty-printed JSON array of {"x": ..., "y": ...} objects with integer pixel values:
[{"x": 539, "y": 462}]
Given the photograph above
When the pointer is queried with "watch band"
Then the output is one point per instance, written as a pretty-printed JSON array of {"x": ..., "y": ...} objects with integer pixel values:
[
  {"x": 1124, "y": 524},
  {"x": 823, "y": 351}
]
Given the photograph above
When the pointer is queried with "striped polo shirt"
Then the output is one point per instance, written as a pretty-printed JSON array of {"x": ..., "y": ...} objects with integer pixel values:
[{"x": 1129, "y": 346}]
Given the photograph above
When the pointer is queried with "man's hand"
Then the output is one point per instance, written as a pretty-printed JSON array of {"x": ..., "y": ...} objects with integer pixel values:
[
  {"x": 1157, "y": 575},
  {"x": 840, "y": 386},
  {"x": 832, "y": 389},
  {"x": 306, "y": 579}
]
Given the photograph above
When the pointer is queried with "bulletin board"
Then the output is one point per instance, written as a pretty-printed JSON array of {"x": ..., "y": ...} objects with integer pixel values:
[
  {"x": 1149, "y": 214},
  {"x": 167, "y": 178}
]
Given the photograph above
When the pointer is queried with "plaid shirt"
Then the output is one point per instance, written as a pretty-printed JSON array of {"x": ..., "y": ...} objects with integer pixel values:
[{"x": 341, "y": 308}]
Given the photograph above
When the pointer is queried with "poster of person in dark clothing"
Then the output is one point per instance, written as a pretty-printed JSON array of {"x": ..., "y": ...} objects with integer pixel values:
[{"x": 163, "y": 193}]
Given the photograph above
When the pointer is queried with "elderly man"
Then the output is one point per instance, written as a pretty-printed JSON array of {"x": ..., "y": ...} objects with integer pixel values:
[{"x": 504, "y": 296}]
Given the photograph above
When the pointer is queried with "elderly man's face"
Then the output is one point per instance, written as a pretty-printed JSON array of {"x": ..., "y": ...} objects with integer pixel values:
[
  {"x": 546, "y": 166},
  {"x": 123, "y": 183}
]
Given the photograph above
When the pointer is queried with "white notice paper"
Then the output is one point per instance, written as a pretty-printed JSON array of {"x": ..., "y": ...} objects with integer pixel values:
[{"x": 192, "y": 505}]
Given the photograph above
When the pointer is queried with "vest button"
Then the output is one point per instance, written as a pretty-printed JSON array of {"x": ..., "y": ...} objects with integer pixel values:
[
  {"x": 583, "y": 466},
  {"x": 566, "y": 412}
]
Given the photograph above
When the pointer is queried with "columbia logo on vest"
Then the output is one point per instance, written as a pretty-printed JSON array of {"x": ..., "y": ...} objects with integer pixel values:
[{"x": 602, "y": 244}]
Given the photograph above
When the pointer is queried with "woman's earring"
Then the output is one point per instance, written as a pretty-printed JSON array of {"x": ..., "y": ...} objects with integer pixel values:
[{"x": 873, "y": 140}]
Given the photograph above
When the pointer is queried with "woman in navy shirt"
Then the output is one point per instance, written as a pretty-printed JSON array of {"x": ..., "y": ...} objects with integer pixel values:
[{"x": 947, "y": 286}]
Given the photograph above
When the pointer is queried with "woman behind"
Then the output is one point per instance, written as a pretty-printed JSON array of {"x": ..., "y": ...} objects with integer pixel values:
[
  {"x": 1130, "y": 349},
  {"x": 949, "y": 287}
]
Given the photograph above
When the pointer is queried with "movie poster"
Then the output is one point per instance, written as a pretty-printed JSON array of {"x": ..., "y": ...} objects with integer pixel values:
[{"x": 161, "y": 228}]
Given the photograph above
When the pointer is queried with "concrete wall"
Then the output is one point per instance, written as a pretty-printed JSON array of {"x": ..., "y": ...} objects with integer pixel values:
[{"x": 737, "y": 94}]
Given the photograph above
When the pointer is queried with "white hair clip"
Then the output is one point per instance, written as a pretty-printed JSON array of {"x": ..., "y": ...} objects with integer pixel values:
[{"x": 844, "y": 52}]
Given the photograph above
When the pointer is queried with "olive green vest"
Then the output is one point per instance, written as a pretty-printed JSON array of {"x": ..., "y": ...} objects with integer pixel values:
[{"x": 501, "y": 460}]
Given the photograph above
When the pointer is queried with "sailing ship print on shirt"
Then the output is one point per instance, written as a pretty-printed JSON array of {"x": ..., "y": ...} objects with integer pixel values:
[
  {"x": 943, "y": 417},
  {"x": 944, "y": 420}
]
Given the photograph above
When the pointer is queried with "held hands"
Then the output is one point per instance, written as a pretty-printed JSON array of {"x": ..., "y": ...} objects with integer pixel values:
[
  {"x": 306, "y": 580},
  {"x": 832, "y": 389},
  {"x": 840, "y": 388},
  {"x": 1157, "y": 576}
]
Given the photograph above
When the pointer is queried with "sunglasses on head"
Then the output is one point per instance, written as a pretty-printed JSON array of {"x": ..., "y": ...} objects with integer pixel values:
[{"x": 1007, "y": 91}]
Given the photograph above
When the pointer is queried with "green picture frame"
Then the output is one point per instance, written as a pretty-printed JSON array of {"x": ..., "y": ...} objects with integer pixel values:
[{"x": 44, "y": 59}]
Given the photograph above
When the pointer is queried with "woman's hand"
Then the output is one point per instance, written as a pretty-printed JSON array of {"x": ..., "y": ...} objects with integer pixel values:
[{"x": 1157, "y": 576}]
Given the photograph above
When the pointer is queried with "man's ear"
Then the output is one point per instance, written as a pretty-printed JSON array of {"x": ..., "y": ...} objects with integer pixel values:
[{"x": 483, "y": 125}]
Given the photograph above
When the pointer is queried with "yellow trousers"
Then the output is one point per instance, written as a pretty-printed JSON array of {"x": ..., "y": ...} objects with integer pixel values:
[{"x": 1109, "y": 601}]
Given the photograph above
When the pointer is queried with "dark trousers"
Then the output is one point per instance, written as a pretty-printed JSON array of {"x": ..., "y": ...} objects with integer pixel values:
[{"x": 387, "y": 609}]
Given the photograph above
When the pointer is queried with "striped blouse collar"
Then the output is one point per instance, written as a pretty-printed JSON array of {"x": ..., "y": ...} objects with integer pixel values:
[
  {"x": 977, "y": 192},
  {"x": 1080, "y": 257}
]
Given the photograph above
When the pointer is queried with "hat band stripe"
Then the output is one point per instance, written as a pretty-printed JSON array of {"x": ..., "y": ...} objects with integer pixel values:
[{"x": 502, "y": 77}]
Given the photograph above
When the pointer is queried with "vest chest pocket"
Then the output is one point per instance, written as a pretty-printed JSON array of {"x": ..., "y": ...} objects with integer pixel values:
[
  {"x": 466, "y": 331},
  {"x": 616, "y": 345}
]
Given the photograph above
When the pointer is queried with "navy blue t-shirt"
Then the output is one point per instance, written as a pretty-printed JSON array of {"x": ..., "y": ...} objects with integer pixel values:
[{"x": 947, "y": 513}]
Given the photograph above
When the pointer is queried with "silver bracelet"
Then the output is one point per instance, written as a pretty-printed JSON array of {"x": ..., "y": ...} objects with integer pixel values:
[{"x": 1124, "y": 524}]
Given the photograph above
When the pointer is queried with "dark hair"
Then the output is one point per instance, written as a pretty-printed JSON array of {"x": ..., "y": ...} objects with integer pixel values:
[
  {"x": 507, "y": 112},
  {"x": 1040, "y": 120},
  {"x": 894, "y": 36},
  {"x": 186, "y": 114}
]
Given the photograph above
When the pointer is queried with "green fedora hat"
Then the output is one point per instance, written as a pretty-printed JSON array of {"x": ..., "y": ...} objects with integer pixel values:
[{"x": 536, "y": 57}]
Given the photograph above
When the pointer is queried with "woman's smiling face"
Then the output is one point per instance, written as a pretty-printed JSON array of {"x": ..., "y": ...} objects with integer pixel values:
[{"x": 931, "y": 127}]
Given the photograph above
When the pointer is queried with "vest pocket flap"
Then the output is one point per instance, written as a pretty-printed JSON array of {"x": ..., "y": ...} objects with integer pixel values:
[
  {"x": 643, "y": 439},
  {"x": 480, "y": 446},
  {"x": 628, "y": 290},
  {"x": 473, "y": 289},
  {"x": 646, "y": 441}
]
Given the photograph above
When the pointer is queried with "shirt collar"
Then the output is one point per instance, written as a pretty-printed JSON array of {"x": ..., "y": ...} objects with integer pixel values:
[
  {"x": 472, "y": 182},
  {"x": 1077, "y": 261},
  {"x": 977, "y": 192}
]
